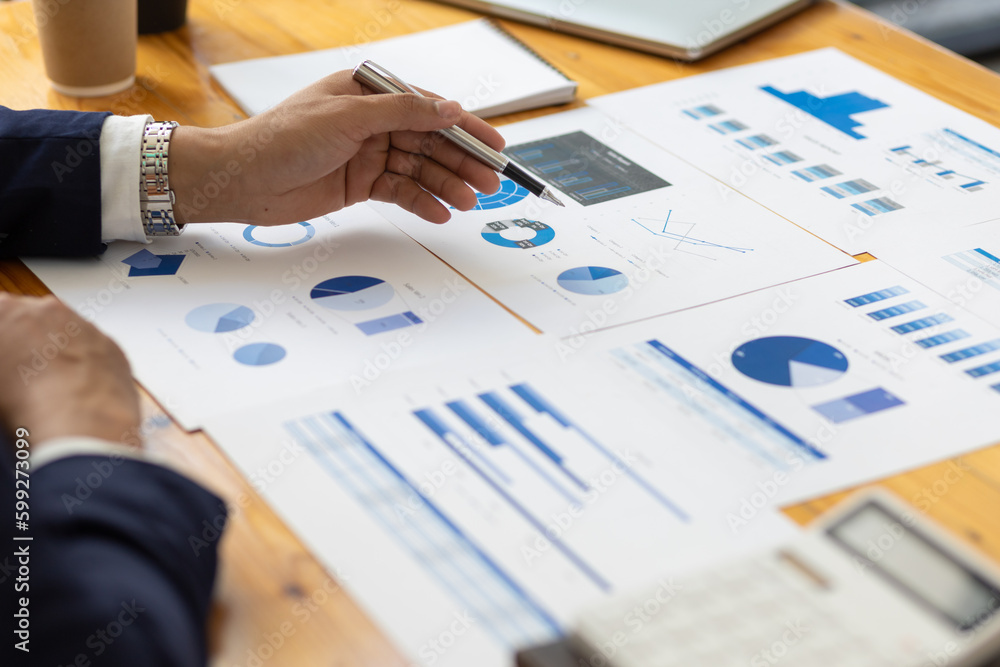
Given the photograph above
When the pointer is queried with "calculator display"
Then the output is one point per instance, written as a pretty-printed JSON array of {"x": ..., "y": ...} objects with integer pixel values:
[{"x": 889, "y": 545}]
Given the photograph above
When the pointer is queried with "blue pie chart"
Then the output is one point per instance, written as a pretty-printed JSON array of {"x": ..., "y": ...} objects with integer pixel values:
[
  {"x": 592, "y": 280},
  {"x": 520, "y": 233},
  {"x": 282, "y": 236},
  {"x": 790, "y": 361},
  {"x": 259, "y": 354},
  {"x": 220, "y": 317},
  {"x": 352, "y": 293},
  {"x": 509, "y": 193}
]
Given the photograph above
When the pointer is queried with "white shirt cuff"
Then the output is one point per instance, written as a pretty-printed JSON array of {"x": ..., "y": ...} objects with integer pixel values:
[
  {"x": 60, "y": 448},
  {"x": 121, "y": 141}
]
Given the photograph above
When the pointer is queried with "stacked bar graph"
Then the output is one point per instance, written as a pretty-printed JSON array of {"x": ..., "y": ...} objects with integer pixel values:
[
  {"x": 728, "y": 126},
  {"x": 756, "y": 141},
  {"x": 782, "y": 158},
  {"x": 878, "y": 206},
  {"x": 819, "y": 172},
  {"x": 703, "y": 111},
  {"x": 858, "y": 186}
]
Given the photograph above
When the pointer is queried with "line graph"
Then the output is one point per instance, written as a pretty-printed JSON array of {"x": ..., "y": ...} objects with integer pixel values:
[{"x": 681, "y": 233}]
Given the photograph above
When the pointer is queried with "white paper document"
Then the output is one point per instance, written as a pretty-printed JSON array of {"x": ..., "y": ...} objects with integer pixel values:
[
  {"x": 963, "y": 265},
  {"x": 643, "y": 233},
  {"x": 226, "y": 315},
  {"x": 475, "y": 62},
  {"x": 838, "y": 147},
  {"x": 868, "y": 369},
  {"x": 479, "y": 511}
]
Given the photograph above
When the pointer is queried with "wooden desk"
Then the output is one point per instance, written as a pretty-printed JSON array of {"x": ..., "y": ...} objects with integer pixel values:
[{"x": 273, "y": 598}]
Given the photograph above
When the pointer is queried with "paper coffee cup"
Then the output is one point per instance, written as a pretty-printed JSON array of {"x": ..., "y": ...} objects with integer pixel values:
[{"x": 88, "y": 45}]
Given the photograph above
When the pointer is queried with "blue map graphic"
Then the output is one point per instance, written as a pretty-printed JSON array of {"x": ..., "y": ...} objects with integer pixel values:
[
  {"x": 145, "y": 263},
  {"x": 836, "y": 110}
]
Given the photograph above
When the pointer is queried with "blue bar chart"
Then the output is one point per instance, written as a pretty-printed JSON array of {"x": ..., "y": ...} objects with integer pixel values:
[
  {"x": 979, "y": 263},
  {"x": 472, "y": 577},
  {"x": 588, "y": 171}
]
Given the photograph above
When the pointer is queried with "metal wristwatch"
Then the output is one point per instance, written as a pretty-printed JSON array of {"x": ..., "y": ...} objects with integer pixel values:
[{"x": 156, "y": 199}]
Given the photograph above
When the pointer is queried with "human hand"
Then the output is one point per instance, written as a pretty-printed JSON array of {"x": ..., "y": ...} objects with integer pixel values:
[
  {"x": 329, "y": 146},
  {"x": 60, "y": 376}
]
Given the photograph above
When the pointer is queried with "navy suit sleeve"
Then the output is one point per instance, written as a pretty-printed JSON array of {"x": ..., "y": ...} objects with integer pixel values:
[
  {"x": 123, "y": 561},
  {"x": 50, "y": 183}
]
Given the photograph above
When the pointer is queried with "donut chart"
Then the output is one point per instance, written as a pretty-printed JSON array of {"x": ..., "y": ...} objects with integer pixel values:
[
  {"x": 282, "y": 236},
  {"x": 790, "y": 361},
  {"x": 519, "y": 233},
  {"x": 509, "y": 193}
]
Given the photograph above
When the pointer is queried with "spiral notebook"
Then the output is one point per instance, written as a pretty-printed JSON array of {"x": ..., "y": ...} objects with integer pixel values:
[{"x": 477, "y": 63}]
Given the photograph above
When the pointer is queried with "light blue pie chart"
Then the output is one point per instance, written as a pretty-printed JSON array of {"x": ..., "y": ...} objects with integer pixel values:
[
  {"x": 220, "y": 317},
  {"x": 352, "y": 293},
  {"x": 592, "y": 280},
  {"x": 259, "y": 354}
]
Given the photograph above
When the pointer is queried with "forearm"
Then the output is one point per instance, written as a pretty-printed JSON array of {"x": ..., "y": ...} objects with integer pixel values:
[{"x": 204, "y": 175}]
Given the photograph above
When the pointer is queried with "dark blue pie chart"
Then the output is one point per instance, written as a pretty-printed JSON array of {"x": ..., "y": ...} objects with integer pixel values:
[
  {"x": 790, "y": 361},
  {"x": 352, "y": 293}
]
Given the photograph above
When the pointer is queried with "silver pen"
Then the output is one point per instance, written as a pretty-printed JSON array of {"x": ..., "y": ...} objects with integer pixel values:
[{"x": 382, "y": 80}]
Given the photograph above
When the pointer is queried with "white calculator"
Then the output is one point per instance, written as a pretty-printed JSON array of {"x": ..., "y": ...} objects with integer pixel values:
[{"x": 870, "y": 584}]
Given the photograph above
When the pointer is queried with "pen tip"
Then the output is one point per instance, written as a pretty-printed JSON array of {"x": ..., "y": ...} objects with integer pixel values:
[{"x": 548, "y": 196}]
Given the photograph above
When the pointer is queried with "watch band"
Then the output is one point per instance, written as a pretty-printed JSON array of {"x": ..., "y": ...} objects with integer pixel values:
[{"x": 156, "y": 199}]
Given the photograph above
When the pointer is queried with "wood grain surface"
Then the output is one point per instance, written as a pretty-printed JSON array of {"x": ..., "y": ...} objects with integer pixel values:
[{"x": 275, "y": 603}]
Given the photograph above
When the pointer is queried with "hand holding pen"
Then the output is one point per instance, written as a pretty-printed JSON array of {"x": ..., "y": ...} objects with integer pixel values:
[
  {"x": 331, "y": 145},
  {"x": 381, "y": 80}
]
